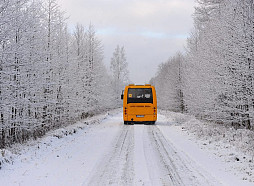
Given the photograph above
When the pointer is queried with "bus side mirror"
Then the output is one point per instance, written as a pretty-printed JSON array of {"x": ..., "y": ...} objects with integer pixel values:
[{"x": 122, "y": 94}]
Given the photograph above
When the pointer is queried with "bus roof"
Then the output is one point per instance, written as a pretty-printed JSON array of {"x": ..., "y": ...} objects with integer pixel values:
[{"x": 133, "y": 85}]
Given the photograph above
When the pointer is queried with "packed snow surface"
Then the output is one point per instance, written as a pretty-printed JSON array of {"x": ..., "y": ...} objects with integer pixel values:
[{"x": 104, "y": 151}]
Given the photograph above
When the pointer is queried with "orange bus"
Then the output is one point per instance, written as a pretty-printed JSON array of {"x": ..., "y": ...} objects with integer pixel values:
[{"x": 139, "y": 104}]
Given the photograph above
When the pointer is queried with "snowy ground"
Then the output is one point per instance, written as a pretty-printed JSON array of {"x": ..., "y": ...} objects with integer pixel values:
[
  {"x": 233, "y": 148},
  {"x": 103, "y": 151}
]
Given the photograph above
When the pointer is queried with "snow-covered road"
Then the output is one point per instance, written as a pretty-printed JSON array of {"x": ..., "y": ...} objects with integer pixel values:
[{"x": 110, "y": 153}]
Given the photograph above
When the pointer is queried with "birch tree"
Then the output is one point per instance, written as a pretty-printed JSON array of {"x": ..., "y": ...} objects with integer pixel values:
[{"x": 119, "y": 71}]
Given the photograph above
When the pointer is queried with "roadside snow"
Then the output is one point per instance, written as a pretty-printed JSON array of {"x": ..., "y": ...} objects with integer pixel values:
[
  {"x": 62, "y": 157},
  {"x": 18, "y": 152},
  {"x": 231, "y": 149}
]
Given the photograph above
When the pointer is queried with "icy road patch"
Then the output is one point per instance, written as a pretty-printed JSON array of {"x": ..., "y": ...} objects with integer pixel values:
[{"x": 107, "y": 152}]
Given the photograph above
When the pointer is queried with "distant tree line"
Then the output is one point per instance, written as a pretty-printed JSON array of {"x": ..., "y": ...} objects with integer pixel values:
[
  {"x": 214, "y": 78},
  {"x": 49, "y": 77}
]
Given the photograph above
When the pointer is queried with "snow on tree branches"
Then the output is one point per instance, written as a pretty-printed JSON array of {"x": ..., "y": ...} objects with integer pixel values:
[
  {"x": 120, "y": 73},
  {"x": 48, "y": 77},
  {"x": 217, "y": 70}
]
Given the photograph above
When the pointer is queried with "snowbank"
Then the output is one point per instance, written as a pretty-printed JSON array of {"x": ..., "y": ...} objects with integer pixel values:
[
  {"x": 14, "y": 153},
  {"x": 236, "y": 147}
]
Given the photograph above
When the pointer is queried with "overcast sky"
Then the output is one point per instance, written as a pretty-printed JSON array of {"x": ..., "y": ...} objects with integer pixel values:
[{"x": 150, "y": 30}]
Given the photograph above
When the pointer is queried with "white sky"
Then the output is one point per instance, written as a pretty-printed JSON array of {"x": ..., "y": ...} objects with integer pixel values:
[{"x": 150, "y": 30}]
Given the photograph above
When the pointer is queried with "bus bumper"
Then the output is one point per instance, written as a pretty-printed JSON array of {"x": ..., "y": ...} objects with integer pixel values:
[{"x": 140, "y": 118}]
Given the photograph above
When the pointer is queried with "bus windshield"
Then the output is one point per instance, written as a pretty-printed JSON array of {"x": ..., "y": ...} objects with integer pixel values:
[{"x": 140, "y": 95}]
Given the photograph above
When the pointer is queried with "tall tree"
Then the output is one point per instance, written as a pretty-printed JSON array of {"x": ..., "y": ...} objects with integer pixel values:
[{"x": 119, "y": 71}]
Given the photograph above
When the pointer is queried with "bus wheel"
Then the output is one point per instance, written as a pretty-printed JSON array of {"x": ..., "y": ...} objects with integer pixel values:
[{"x": 126, "y": 122}]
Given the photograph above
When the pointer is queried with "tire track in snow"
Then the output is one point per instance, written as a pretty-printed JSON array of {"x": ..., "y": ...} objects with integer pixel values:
[
  {"x": 168, "y": 174},
  {"x": 180, "y": 170},
  {"x": 117, "y": 167}
]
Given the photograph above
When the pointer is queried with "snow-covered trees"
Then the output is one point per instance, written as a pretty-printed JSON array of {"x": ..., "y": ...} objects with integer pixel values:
[
  {"x": 168, "y": 84},
  {"x": 120, "y": 73},
  {"x": 224, "y": 53},
  {"x": 217, "y": 70},
  {"x": 48, "y": 77}
]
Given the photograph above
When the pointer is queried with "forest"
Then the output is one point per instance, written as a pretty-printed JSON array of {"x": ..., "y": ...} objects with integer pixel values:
[
  {"x": 50, "y": 77},
  {"x": 213, "y": 79}
]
